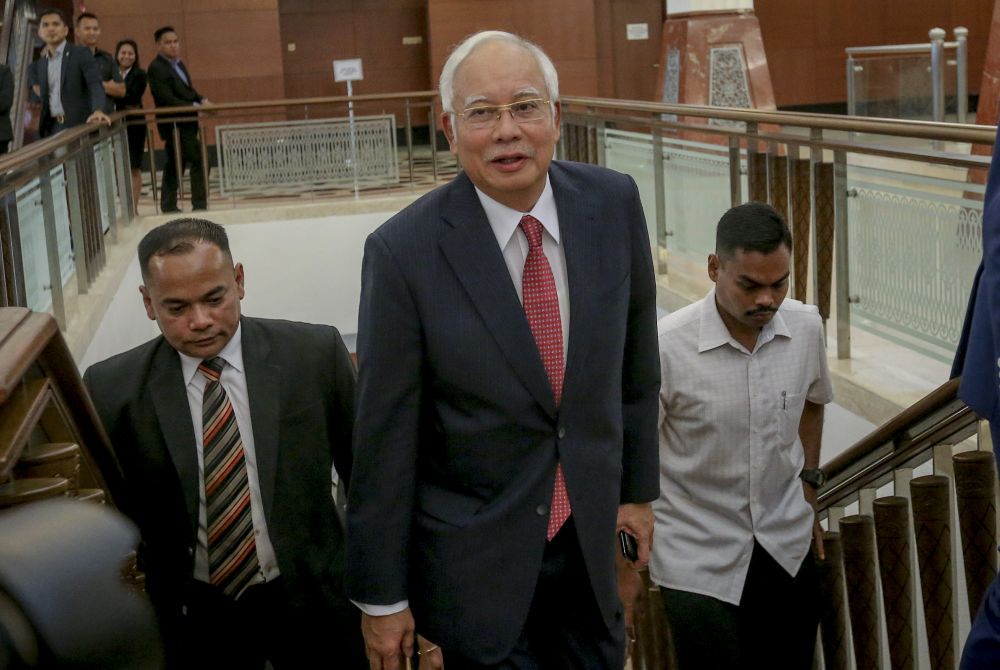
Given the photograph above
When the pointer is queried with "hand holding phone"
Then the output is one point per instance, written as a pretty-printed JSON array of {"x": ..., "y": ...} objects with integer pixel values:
[{"x": 630, "y": 549}]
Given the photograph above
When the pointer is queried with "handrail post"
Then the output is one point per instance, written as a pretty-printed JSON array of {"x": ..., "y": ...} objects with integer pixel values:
[
  {"x": 962, "y": 72},
  {"x": 152, "y": 164},
  {"x": 80, "y": 258},
  {"x": 661, "y": 202},
  {"x": 851, "y": 99},
  {"x": 123, "y": 166},
  {"x": 735, "y": 174},
  {"x": 841, "y": 251},
  {"x": 203, "y": 145},
  {"x": 109, "y": 188},
  {"x": 937, "y": 36},
  {"x": 52, "y": 248},
  {"x": 409, "y": 142},
  {"x": 432, "y": 128},
  {"x": 178, "y": 162}
]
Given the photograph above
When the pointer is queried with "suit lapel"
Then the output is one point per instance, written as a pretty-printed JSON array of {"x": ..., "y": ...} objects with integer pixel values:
[
  {"x": 472, "y": 251},
  {"x": 263, "y": 387},
  {"x": 174, "y": 415},
  {"x": 576, "y": 228},
  {"x": 64, "y": 66}
]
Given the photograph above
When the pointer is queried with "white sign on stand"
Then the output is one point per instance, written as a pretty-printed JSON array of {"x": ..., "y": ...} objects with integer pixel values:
[{"x": 350, "y": 70}]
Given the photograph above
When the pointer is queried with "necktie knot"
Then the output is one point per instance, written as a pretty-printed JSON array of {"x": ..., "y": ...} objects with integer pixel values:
[
  {"x": 212, "y": 368},
  {"x": 532, "y": 228}
]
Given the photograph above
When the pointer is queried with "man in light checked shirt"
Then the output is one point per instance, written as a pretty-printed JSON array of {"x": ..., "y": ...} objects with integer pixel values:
[{"x": 744, "y": 382}]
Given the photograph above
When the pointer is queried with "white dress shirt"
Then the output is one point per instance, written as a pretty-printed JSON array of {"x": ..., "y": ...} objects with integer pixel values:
[
  {"x": 233, "y": 380},
  {"x": 730, "y": 453},
  {"x": 514, "y": 245},
  {"x": 53, "y": 65}
]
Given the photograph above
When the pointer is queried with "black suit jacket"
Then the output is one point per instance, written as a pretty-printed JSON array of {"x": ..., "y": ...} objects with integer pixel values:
[
  {"x": 81, "y": 90},
  {"x": 300, "y": 383},
  {"x": 169, "y": 90},
  {"x": 458, "y": 433}
]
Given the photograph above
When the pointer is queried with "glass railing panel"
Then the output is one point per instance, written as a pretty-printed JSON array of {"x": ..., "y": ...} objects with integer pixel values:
[
  {"x": 104, "y": 162},
  {"x": 696, "y": 176},
  {"x": 31, "y": 224},
  {"x": 915, "y": 243},
  {"x": 900, "y": 86},
  {"x": 696, "y": 187},
  {"x": 632, "y": 153}
]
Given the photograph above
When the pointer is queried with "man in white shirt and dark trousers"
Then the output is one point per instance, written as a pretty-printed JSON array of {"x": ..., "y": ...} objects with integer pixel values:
[{"x": 744, "y": 381}]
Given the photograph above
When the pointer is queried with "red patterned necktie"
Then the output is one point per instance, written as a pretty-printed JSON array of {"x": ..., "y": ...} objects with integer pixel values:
[
  {"x": 232, "y": 551},
  {"x": 541, "y": 306}
]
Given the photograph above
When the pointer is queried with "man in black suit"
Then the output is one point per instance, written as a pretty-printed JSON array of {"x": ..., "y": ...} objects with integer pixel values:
[
  {"x": 65, "y": 79},
  {"x": 170, "y": 83},
  {"x": 508, "y": 391},
  {"x": 226, "y": 428}
]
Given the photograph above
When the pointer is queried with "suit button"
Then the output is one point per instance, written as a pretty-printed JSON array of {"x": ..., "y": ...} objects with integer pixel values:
[
  {"x": 190, "y": 551},
  {"x": 561, "y": 433},
  {"x": 542, "y": 510}
]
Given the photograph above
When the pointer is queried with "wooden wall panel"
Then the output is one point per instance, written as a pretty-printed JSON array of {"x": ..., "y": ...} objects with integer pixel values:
[{"x": 805, "y": 41}]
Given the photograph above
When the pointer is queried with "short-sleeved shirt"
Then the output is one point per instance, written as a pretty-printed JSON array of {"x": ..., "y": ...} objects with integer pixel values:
[{"x": 730, "y": 453}]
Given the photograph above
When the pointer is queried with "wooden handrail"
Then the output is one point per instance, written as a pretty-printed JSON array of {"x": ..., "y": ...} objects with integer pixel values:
[{"x": 940, "y": 417}]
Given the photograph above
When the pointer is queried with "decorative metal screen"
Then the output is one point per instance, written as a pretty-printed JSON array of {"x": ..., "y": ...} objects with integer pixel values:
[
  {"x": 915, "y": 243},
  {"x": 297, "y": 156}
]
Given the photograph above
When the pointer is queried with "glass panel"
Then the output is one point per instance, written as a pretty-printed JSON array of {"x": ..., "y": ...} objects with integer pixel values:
[
  {"x": 31, "y": 223},
  {"x": 900, "y": 87},
  {"x": 104, "y": 163},
  {"x": 915, "y": 243}
]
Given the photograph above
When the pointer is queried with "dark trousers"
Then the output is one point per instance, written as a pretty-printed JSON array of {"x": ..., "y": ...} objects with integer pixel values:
[
  {"x": 263, "y": 625},
  {"x": 190, "y": 158},
  {"x": 774, "y": 625},
  {"x": 982, "y": 647},
  {"x": 565, "y": 629}
]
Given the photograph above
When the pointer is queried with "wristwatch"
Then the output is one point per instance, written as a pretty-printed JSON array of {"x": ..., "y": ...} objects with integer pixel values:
[{"x": 814, "y": 477}]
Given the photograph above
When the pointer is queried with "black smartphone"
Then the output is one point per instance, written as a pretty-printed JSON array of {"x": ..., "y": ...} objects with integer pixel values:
[{"x": 630, "y": 548}]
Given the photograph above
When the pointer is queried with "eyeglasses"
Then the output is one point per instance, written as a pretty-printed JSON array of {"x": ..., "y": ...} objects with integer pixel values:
[{"x": 522, "y": 111}]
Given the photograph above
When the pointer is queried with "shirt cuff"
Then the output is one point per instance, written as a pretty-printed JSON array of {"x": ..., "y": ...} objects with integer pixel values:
[{"x": 382, "y": 610}]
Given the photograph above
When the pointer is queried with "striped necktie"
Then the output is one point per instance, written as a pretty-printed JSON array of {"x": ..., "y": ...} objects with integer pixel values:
[
  {"x": 541, "y": 306},
  {"x": 232, "y": 551}
]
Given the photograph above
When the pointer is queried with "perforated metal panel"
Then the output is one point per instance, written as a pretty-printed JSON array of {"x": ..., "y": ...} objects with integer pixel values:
[{"x": 294, "y": 156}]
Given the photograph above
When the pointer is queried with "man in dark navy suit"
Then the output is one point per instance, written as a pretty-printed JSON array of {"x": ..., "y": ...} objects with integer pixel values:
[
  {"x": 170, "y": 84},
  {"x": 65, "y": 80},
  {"x": 508, "y": 391}
]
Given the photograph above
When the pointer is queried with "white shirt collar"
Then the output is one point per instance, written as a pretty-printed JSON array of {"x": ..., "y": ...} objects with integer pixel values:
[
  {"x": 504, "y": 220},
  {"x": 232, "y": 354},
  {"x": 713, "y": 332}
]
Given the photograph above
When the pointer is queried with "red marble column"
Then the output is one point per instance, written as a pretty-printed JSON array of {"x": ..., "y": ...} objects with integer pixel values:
[{"x": 714, "y": 59}]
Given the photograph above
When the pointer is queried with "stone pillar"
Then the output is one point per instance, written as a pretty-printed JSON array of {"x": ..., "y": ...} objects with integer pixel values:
[{"x": 713, "y": 54}]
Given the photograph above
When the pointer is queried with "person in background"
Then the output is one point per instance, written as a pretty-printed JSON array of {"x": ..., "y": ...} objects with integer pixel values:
[
  {"x": 171, "y": 86},
  {"x": 88, "y": 32},
  {"x": 65, "y": 79},
  {"x": 127, "y": 56}
]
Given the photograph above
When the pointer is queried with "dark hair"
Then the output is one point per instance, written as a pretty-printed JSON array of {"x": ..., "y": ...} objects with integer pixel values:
[
  {"x": 85, "y": 15},
  {"x": 160, "y": 32},
  {"x": 48, "y": 11},
  {"x": 135, "y": 47},
  {"x": 180, "y": 237},
  {"x": 754, "y": 226}
]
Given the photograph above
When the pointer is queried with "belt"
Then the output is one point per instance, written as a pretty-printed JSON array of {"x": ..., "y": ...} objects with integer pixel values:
[{"x": 59, "y": 118}]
